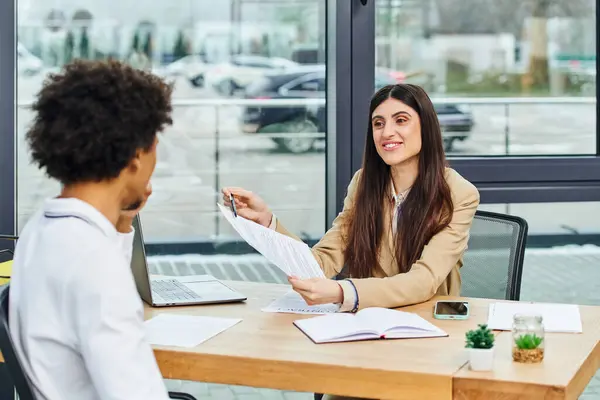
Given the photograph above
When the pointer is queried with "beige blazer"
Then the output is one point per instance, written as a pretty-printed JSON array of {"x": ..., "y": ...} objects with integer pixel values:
[{"x": 435, "y": 273}]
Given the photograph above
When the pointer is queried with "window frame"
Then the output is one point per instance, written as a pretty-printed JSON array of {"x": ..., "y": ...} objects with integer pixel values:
[
  {"x": 350, "y": 40},
  {"x": 8, "y": 151},
  {"x": 350, "y": 84},
  {"x": 8, "y": 154},
  {"x": 344, "y": 22},
  {"x": 533, "y": 179},
  {"x": 501, "y": 179}
]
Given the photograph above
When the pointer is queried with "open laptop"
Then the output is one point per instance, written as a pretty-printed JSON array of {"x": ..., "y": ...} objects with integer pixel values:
[{"x": 175, "y": 291}]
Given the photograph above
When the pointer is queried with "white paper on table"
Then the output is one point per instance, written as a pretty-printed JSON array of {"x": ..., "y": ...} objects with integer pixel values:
[
  {"x": 291, "y": 256},
  {"x": 556, "y": 317},
  {"x": 293, "y": 303},
  {"x": 185, "y": 330}
]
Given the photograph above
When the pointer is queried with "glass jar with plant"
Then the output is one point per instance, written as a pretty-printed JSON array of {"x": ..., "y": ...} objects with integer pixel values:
[
  {"x": 480, "y": 344},
  {"x": 528, "y": 338}
]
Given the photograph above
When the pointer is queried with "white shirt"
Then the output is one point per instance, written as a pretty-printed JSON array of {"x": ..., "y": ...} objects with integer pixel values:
[
  {"x": 398, "y": 200},
  {"x": 75, "y": 315}
]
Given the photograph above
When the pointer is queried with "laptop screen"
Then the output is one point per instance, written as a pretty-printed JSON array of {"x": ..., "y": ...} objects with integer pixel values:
[{"x": 139, "y": 265}]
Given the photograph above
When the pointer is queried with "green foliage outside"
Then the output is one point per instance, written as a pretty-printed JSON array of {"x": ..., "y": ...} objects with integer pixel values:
[{"x": 181, "y": 49}]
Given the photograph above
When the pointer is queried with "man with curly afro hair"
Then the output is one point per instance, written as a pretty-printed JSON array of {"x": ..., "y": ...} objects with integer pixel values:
[{"x": 75, "y": 314}]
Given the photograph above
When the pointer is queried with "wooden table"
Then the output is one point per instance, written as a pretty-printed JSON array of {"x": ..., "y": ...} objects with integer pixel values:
[
  {"x": 570, "y": 361},
  {"x": 267, "y": 350}
]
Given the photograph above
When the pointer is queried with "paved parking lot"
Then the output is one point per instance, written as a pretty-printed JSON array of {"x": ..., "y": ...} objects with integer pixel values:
[{"x": 564, "y": 275}]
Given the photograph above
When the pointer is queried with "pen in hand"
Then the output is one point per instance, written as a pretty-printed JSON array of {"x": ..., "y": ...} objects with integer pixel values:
[{"x": 233, "y": 209}]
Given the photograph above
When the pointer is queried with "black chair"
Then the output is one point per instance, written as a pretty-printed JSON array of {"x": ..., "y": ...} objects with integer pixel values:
[
  {"x": 6, "y": 254},
  {"x": 15, "y": 369},
  {"x": 493, "y": 262}
]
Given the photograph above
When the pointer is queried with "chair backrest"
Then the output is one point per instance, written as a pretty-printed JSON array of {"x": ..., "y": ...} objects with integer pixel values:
[
  {"x": 15, "y": 369},
  {"x": 493, "y": 262}
]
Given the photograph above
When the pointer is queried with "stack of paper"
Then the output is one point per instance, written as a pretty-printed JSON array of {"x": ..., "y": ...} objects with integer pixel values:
[
  {"x": 293, "y": 303},
  {"x": 185, "y": 330},
  {"x": 556, "y": 317},
  {"x": 291, "y": 256}
]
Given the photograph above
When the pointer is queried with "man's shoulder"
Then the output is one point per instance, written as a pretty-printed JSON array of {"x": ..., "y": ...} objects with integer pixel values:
[
  {"x": 72, "y": 247},
  {"x": 50, "y": 239}
]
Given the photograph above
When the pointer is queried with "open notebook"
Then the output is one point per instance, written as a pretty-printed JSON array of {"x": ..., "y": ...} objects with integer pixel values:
[{"x": 369, "y": 323}]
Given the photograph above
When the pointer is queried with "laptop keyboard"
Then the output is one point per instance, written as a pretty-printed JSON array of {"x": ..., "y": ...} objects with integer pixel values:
[{"x": 173, "y": 290}]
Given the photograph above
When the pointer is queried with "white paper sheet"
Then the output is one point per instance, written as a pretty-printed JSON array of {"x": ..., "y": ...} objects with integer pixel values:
[
  {"x": 556, "y": 317},
  {"x": 185, "y": 330},
  {"x": 291, "y": 256},
  {"x": 293, "y": 303}
]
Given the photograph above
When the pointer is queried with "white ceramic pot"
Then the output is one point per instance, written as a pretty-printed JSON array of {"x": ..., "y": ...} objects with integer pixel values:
[{"x": 481, "y": 359}]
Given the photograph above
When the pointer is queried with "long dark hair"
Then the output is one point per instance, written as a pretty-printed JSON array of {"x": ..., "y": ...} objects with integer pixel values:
[{"x": 428, "y": 206}]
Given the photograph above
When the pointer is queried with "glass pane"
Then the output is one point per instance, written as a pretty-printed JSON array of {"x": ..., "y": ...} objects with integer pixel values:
[
  {"x": 512, "y": 77},
  {"x": 233, "y": 123},
  {"x": 563, "y": 251},
  {"x": 228, "y": 61}
]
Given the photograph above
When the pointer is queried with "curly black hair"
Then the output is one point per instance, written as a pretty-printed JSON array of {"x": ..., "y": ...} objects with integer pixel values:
[{"x": 92, "y": 117}]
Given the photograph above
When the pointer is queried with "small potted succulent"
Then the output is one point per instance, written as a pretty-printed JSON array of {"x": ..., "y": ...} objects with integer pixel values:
[
  {"x": 480, "y": 344},
  {"x": 528, "y": 348}
]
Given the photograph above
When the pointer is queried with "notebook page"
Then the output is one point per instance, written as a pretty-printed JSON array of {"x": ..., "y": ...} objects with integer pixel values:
[
  {"x": 556, "y": 317},
  {"x": 388, "y": 320},
  {"x": 331, "y": 327},
  {"x": 185, "y": 330},
  {"x": 291, "y": 256}
]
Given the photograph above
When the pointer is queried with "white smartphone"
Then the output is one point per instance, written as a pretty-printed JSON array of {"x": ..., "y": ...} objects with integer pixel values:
[{"x": 446, "y": 309}]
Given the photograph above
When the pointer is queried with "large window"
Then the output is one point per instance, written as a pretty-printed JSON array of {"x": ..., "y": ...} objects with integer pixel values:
[
  {"x": 508, "y": 77},
  {"x": 514, "y": 85},
  {"x": 513, "y": 81},
  {"x": 249, "y": 103}
]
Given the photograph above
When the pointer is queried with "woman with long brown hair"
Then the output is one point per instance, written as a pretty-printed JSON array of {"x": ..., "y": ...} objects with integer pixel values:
[{"x": 405, "y": 224}]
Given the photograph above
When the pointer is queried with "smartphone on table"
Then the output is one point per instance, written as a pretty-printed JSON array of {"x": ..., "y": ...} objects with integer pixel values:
[{"x": 447, "y": 309}]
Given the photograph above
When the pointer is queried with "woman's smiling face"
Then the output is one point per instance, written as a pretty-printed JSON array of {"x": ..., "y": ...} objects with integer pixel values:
[{"x": 396, "y": 132}]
